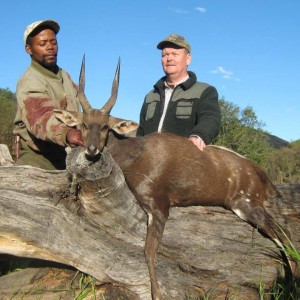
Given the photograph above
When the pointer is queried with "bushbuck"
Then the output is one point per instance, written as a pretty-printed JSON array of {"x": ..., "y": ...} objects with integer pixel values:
[{"x": 164, "y": 170}]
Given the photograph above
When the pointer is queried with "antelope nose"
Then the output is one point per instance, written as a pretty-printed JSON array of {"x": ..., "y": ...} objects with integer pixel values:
[{"x": 92, "y": 150}]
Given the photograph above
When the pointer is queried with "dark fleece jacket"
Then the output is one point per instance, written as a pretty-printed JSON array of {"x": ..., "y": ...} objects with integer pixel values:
[{"x": 193, "y": 109}]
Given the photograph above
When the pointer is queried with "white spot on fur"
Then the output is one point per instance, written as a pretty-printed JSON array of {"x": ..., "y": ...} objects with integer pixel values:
[
  {"x": 278, "y": 242},
  {"x": 248, "y": 200},
  {"x": 150, "y": 219},
  {"x": 241, "y": 192},
  {"x": 240, "y": 214},
  {"x": 229, "y": 179}
]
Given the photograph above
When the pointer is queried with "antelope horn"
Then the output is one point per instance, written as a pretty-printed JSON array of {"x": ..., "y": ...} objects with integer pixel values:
[
  {"x": 114, "y": 92},
  {"x": 81, "y": 95}
]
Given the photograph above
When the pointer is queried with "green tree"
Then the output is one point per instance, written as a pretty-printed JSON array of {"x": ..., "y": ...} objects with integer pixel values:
[
  {"x": 283, "y": 165},
  {"x": 242, "y": 132},
  {"x": 8, "y": 107}
]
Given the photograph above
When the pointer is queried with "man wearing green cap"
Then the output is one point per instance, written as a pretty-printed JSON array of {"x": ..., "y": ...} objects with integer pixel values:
[
  {"x": 178, "y": 103},
  {"x": 41, "y": 138}
]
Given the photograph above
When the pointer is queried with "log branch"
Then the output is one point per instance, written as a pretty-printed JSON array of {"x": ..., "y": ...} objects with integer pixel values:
[{"x": 102, "y": 233}]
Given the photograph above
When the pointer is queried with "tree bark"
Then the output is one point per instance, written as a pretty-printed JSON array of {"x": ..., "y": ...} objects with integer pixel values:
[{"x": 102, "y": 233}]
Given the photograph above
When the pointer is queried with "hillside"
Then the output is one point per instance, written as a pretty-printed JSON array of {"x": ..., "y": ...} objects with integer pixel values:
[{"x": 276, "y": 142}]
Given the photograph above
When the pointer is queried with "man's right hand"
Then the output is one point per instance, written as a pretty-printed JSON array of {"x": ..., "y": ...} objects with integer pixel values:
[
  {"x": 197, "y": 141},
  {"x": 74, "y": 137}
]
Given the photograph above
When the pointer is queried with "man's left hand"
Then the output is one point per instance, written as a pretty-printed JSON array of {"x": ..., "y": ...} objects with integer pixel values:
[{"x": 74, "y": 137}]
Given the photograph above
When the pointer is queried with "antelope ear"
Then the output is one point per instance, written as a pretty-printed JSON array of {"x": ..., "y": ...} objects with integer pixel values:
[
  {"x": 112, "y": 121},
  {"x": 70, "y": 118},
  {"x": 126, "y": 128}
]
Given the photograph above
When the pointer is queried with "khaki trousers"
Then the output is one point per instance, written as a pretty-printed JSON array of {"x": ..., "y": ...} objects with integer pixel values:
[{"x": 50, "y": 161}]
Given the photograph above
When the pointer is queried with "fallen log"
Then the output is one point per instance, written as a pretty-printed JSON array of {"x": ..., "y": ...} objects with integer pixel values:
[{"x": 102, "y": 233}]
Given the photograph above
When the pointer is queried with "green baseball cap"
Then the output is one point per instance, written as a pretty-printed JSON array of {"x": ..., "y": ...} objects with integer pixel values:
[
  {"x": 47, "y": 23},
  {"x": 174, "y": 39}
]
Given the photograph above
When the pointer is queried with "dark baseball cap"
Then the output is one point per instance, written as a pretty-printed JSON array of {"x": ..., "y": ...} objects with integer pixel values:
[{"x": 174, "y": 39}]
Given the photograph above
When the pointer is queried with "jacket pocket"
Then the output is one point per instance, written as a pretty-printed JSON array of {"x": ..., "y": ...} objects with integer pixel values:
[
  {"x": 150, "y": 110},
  {"x": 184, "y": 109}
]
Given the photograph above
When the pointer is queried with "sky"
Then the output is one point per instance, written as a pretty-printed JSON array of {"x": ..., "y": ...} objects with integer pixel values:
[{"x": 248, "y": 49}]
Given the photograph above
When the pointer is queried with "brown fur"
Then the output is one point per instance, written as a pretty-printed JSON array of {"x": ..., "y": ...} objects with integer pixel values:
[{"x": 164, "y": 170}]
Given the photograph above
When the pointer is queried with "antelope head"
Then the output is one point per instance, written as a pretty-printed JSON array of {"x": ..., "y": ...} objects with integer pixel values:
[{"x": 95, "y": 123}]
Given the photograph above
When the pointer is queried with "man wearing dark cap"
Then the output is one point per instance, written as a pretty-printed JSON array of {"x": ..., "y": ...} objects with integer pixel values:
[
  {"x": 40, "y": 137},
  {"x": 179, "y": 103}
]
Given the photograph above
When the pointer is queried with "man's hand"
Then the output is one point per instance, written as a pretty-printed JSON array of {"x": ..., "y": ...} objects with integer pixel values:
[
  {"x": 197, "y": 141},
  {"x": 74, "y": 137}
]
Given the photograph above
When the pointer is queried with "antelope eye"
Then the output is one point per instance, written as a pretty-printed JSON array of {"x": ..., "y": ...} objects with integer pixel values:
[
  {"x": 84, "y": 126},
  {"x": 105, "y": 127}
]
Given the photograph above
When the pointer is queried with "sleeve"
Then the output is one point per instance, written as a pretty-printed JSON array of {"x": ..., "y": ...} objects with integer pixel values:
[
  {"x": 140, "y": 130},
  {"x": 208, "y": 116},
  {"x": 36, "y": 110}
]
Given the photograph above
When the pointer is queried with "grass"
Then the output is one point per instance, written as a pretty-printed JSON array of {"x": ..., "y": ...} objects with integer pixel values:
[
  {"x": 86, "y": 288},
  {"x": 284, "y": 288},
  {"x": 288, "y": 288},
  {"x": 82, "y": 289}
]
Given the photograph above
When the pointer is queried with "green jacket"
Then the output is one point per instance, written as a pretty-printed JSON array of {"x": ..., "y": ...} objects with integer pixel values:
[
  {"x": 39, "y": 91},
  {"x": 193, "y": 109}
]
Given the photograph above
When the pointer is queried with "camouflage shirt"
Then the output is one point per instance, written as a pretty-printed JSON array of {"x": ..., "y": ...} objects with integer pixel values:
[{"x": 39, "y": 91}]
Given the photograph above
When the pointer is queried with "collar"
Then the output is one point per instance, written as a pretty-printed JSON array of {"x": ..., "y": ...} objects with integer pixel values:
[
  {"x": 179, "y": 82},
  {"x": 160, "y": 84},
  {"x": 45, "y": 71}
]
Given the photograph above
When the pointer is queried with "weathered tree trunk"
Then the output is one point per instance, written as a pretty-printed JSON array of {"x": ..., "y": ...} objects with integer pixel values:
[{"x": 103, "y": 233}]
